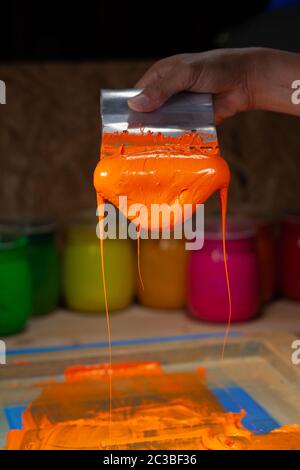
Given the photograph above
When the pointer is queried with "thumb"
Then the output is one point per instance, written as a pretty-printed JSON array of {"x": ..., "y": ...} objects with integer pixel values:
[{"x": 159, "y": 91}]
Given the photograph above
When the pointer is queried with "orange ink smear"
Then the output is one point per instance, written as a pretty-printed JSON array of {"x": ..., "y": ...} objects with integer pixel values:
[
  {"x": 102, "y": 371},
  {"x": 152, "y": 410}
]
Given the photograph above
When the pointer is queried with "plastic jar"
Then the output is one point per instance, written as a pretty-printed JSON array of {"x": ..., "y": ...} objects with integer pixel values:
[
  {"x": 267, "y": 253},
  {"x": 163, "y": 270},
  {"x": 290, "y": 257},
  {"x": 43, "y": 259},
  {"x": 207, "y": 288},
  {"x": 266, "y": 225},
  {"x": 82, "y": 278},
  {"x": 15, "y": 284}
]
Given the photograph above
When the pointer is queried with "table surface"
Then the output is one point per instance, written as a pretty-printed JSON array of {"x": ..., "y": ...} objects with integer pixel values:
[{"x": 69, "y": 328}]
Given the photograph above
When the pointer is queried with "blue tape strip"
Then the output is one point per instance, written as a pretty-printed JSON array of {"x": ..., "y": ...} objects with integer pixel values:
[
  {"x": 235, "y": 399},
  {"x": 13, "y": 415},
  {"x": 128, "y": 342}
]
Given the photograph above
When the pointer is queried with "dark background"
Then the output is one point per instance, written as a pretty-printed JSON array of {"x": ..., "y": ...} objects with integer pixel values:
[
  {"x": 55, "y": 57},
  {"x": 51, "y": 30}
]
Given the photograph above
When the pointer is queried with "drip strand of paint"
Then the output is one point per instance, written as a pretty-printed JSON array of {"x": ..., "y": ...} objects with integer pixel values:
[
  {"x": 100, "y": 202},
  {"x": 223, "y": 201},
  {"x": 139, "y": 255},
  {"x": 187, "y": 166}
]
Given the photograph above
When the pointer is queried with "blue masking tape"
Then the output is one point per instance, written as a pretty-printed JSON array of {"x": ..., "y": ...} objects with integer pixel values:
[
  {"x": 127, "y": 342},
  {"x": 13, "y": 415},
  {"x": 235, "y": 399}
]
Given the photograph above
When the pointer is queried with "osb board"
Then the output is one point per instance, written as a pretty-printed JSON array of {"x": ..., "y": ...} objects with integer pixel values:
[{"x": 50, "y": 131}]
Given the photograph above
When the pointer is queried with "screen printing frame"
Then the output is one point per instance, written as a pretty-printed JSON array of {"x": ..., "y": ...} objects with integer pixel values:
[{"x": 257, "y": 370}]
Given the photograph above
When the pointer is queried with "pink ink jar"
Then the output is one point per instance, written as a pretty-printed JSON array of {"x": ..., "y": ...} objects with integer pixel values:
[
  {"x": 207, "y": 289},
  {"x": 266, "y": 224},
  {"x": 290, "y": 256}
]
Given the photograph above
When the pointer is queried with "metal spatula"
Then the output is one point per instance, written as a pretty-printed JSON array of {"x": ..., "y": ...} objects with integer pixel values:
[{"x": 184, "y": 112}]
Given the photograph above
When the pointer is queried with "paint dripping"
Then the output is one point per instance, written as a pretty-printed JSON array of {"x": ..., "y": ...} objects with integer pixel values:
[
  {"x": 223, "y": 201},
  {"x": 155, "y": 169},
  {"x": 101, "y": 208},
  {"x": 139, "y": 256}
]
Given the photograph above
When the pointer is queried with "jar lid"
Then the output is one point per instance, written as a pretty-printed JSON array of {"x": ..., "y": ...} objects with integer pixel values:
[
  {"x": 10, "y": 241},
  {"x": 259, "y": 216},
  {"x": 27, "y": 225},
  {"x": 88, "y": 218},
  {"x": 292, "y": 217},
  {"x": 237, "y": 228}
]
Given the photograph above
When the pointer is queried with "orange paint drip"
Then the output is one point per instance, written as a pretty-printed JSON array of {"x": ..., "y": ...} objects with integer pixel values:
[
  {"x": 100, "y": 203},
  {"x": 223, "y": 202},
  {"x": 139, "y": 256},
  {"x": 158, "y": 169}
]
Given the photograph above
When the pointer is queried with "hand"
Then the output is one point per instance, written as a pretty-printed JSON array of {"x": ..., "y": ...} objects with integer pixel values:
[{"x": 239, "y": 79}]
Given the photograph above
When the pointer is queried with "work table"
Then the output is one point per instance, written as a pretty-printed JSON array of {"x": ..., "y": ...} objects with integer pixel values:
[{"x": 69, "y": 328}]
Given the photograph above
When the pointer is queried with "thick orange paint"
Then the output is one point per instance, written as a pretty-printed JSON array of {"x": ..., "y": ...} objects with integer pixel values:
[
  {"x": 152, "y": 410},
  {"x": 156, "y": 169}
]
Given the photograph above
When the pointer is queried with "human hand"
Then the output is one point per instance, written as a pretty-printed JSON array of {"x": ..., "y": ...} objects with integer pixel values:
[{"x": 239, "y": 79}]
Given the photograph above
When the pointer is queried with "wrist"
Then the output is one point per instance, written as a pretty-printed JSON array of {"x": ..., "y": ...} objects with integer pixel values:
[{"x": 271, "y": 75}]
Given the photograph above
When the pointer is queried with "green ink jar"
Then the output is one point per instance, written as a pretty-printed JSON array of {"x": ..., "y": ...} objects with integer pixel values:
[
  {"x": 15, "y": 284},
  {"x": 43, "y": 258}
]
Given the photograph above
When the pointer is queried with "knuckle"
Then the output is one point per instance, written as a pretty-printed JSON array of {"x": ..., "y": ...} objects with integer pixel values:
[
  {"x": 188, "y": 74},
  {"x": 155, "y": 94}
]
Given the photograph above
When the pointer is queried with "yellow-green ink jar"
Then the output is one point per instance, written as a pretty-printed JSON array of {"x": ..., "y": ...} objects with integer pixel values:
[{"x": 82, "y": 278}]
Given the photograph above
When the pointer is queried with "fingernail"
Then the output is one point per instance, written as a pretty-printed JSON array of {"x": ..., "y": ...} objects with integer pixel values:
[{"x": 139, "y": 102}]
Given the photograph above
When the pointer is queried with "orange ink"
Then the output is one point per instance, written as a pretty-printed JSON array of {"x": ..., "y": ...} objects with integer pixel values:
[
  {"x": 151, "y": 169},
  {"x": 101, "y": 371},
  {"x": 158, "y": 169},
  {"x": 223, "y": 203},
  {"x": 100, "y": 203},
  {"x": 139, "y": 256},
  {"x": 154, "y": 410}
]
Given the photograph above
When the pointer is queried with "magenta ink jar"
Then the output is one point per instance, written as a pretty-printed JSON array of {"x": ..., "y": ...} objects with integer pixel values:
[
  {"x": 289, "y": 250},
  {"x": 207, "y": 289}
]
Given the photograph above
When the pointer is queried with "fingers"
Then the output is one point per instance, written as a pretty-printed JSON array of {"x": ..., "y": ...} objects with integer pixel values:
[
  {"x": 156, "y": 72},
  {"x": 227, "y": 105},
  {"x": 158, "y": 88}
]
